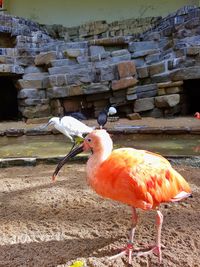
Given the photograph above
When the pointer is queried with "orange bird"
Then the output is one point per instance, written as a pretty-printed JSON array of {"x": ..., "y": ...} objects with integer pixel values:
[
  {"x": 197, "y": 115},
  {"x": 138, "y": 178}
]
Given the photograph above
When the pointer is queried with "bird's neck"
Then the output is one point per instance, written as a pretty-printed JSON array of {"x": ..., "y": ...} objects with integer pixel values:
[{"x": 96, "y": 159}]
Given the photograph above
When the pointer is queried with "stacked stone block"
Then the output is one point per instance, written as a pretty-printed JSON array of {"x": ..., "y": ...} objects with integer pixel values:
[
  {"x": 102, "y": 29},
  {"x": 137, "y": 74}
]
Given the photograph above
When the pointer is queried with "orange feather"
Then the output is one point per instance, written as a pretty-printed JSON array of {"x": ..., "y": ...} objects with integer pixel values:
[{"x": 138, "y": 178}]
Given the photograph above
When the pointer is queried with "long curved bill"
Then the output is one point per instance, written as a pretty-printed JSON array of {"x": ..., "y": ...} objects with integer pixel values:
[
  {"x": 71, "y": 154},
  {"x": 46, "y": 125}
]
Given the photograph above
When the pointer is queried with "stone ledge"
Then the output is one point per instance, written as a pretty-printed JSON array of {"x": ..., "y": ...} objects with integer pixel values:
[
  {"x": 31, "y": 162},
  {"x": 34, "y": 132},
  {"x": 12, "y": 132},
  {"x": 9, "y": 162},
  {"x": 181, "y": 130},
  {"x": 28, "y": 162}
]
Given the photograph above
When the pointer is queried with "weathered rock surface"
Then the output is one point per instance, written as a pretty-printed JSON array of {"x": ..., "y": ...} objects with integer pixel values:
[
  {"x": 167, "y": 101},
  {"x": 106, "y": 64}
]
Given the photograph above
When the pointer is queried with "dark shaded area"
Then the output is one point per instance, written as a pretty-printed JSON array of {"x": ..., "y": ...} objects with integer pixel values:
[
  {"x": 77, "y": 107},
  {"x": 192, "y": 91},
  {"x": 6, "y": 40},
  {"x": 8, "y": 99}
]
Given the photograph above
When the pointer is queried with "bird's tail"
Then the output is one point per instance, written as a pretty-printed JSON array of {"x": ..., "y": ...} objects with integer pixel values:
[
  {"x": 180, "y": 196},
  {"x": 183, "y": 188}
]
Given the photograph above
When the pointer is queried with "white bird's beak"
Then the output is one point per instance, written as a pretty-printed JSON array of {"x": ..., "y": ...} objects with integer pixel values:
[{"x": 46, "y": 125}]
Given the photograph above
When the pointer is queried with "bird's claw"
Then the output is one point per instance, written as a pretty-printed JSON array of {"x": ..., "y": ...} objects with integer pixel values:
[
  {"x": 132, "y": 251},
  {"x": 156, "y": 250}
]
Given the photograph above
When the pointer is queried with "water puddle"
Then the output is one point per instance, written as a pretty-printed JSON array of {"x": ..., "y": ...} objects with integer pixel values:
[
  {"x": 34, "y": 146},
  {"x": 166, "y": 145},
  {"x": 58, "y": 145}
]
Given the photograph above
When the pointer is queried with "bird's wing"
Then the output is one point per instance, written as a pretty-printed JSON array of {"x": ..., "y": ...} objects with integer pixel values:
[
  {"x": 63, "y": 130},
  {"x": 74, "y": 126},
  {"x": 162, "y": 181},
  {"x": 102, "y": 118},
  {"x": 139, "y": 178}
]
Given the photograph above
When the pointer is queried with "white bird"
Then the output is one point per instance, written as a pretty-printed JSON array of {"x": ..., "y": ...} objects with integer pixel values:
[{"x": 70, "y": 127}]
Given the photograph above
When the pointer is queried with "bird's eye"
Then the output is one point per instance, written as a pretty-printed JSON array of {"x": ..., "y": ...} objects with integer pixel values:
[{"x": 89, "y": 140}]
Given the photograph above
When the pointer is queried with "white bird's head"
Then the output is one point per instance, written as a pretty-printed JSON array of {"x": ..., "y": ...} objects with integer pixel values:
[{"x": 53, "y": 121}]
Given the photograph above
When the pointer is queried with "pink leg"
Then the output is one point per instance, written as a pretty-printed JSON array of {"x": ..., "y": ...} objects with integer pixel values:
[
  {"x": 131, "y": 251},
  {"x": 159, "y": 222},
  {"x": 132, "y": 233},
  {"x": 134, "y": 219},
  {"x": 156, "y": 249},
  {"x": 129, "y": 248}
]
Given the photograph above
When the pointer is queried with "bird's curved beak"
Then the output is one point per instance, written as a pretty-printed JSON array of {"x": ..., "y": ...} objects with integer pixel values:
[
  {"x": 46, "y": 125},
  {"x": 77, "y": 150}
]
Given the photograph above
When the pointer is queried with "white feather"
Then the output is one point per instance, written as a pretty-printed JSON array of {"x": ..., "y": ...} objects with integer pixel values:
[
  {"x": 69, "y": 126},
  {"x": 180, "y": 196}
]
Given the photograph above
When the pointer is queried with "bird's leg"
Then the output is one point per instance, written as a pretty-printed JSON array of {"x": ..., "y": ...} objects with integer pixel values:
[
  {"x": 73, "y": 145},
  {"x": 159, "y": 222},
  {"x": 131, "y": 251},
  {"x": 129, "y": 247},
  {"x": 76, "y": 141},
  {"x": 156, "y": 249},
  {"x": 132, "y": 234},
  {"x": 134, "y": 223}
]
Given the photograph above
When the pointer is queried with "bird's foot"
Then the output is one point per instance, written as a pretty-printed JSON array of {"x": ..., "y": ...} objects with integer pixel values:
[
  {"x": 148, "y": 251},
  {"x": 156, "y": 250},
  {"x": 128, "y": 250},
  {"x": 132, "y": 251}
]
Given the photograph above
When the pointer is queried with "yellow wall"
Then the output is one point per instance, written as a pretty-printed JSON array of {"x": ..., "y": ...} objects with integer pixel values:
[{"x": 76, "y": 12}]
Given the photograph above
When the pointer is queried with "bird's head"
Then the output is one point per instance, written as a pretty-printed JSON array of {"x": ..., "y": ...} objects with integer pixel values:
[
  {"x": 197, "y": 115},
  {"x": 97, "y": 140},
  {"x": 53, "y": 121},
  {"x": 112, "y": 111}
]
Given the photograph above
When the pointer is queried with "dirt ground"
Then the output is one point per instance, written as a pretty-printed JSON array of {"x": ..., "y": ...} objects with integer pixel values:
[
  {"x": 45, "y": 224},
  {"x": 54, "y": 224}
]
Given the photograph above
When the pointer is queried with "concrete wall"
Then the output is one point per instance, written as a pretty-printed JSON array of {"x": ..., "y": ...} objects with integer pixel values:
[{"x": 76, "y": 12}]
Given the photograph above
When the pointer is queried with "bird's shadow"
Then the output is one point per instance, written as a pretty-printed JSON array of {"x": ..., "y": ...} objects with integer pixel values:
[{"x": 52, "y": 253}]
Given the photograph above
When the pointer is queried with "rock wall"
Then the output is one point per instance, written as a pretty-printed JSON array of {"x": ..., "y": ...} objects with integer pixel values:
[
  {"x": 102, "y": 29},
  {"x": 136, "y": 73}
]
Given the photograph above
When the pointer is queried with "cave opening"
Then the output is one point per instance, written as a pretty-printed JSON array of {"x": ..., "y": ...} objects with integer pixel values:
[
  {"x": 8, "y": 99},
  {"x": 192, "y": 96}
]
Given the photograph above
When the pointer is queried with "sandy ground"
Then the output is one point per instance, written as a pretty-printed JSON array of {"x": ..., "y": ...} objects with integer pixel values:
[{"x": 44, "y": 224}]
